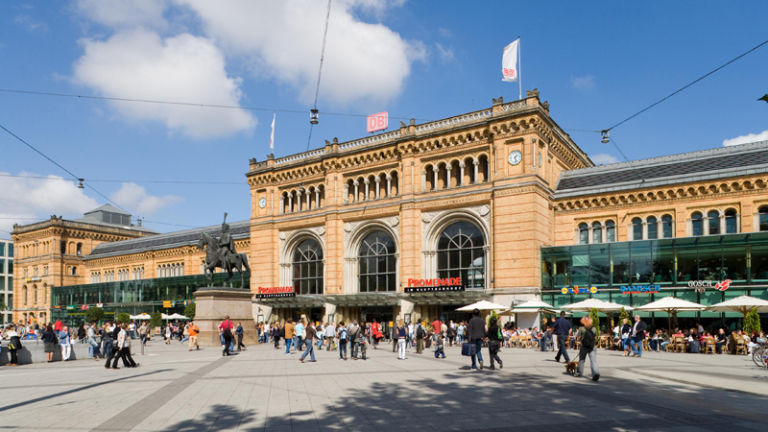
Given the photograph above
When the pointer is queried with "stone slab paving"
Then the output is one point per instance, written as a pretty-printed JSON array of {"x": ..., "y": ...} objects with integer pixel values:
[{"x": 262, "y": 389}]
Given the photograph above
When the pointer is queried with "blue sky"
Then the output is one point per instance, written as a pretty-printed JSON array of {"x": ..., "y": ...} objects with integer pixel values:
[{"x": 595, "y": 62}]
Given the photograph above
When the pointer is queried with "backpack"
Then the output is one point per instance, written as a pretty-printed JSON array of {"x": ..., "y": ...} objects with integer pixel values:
[
  {"x": 588, "y": 340},
  {"x": 420, "y": 333},
  {"x": 343, "y": 334}
]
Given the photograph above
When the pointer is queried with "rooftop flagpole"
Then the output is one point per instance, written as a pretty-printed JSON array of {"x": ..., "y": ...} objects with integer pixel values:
[{"x": 519, "y": 70}]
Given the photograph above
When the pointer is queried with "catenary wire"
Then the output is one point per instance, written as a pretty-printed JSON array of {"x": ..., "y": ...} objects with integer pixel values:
[
  {"x": 191, "y": 182},
  {"x": 319, "y": 71}
]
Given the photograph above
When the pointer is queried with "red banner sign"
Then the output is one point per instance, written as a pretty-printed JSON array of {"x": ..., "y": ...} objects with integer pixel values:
[
  {"x": 434, "y": 285},
  {"x": 377, "y": 122},
  {"x": 271, "y": 292}
]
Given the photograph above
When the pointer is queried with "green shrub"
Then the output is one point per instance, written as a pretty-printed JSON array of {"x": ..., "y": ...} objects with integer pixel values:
[
  {"x": 123, "y": 318},
  {"x": 94, "y": 314},
  {"x": 155, "y": 319},
  {"x": 595, "y": 320},
  {"x": 752, "y": 322},
  {"x": 190, "y": 310}
]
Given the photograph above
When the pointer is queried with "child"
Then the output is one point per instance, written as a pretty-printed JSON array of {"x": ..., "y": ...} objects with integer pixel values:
[{"x": 440, "y": 347}]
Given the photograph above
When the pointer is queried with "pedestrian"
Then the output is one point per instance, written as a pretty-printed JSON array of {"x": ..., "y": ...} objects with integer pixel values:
[
  {"x": 193, "y": 330},
  {"x": 65, "y": 343},
  {"x": 298, "y": 330},
  {"x": 289, "y": 332},
  {"x": 401, "y": 335},
  {"x": 562, "y": 329},
  {"x": 625, "y": 332},
  {"x": 81, "y": 333},
  {"x": 354, "y": 338},
  {"x": 143, "y": 332},
  {"x": 309, "y": 337},
  {"x": 114, "y": 349},
  {"x": 123, "y": 348},
  {"x": 14, "y": 344},
  {"x": 330, "y": 334},
  {"x": 93, "y": 342},
  {"x": 108, "y": 343},
  {"x": 440, "y": 346},
  {"x": 225, "y": 330},
  {"x": 168, "y": 333},
  {"x": 638, "y": 334},
  {"x": 343, "y": 335},
  {"x": 276, "y": 334},
  {"x": 588, "y": 334},
  {"x": 421, "y": 334},
  {"x": 460, "y": 333},
  {"x": 494, "y": 342},
  {"x": 476, "y": 334},
  {"x": 49, "y": 342},
  {"x": 239, "y": 333}
]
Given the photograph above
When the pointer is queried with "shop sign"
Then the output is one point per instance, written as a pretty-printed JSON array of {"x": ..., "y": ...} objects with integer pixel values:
[
  {"x": 84, "y": 307},
  {"x": 702, "y": 285},
  {"x": 167, "y": 304},
  {"x": 579, "y": 290},
  {"x": 188, "y": 302},
  {"x": 434, "y": 285},
  {"x": 640, "y": 289},
  {"x": 70, "y": 307},
  {"x": 273, "y": 292},
  {"x": 99, "y": 305},
  {"x": 377, "y": 122}
]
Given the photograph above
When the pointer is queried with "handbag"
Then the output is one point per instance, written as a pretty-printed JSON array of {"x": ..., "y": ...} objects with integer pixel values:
[{"x": 468, "y": 349}]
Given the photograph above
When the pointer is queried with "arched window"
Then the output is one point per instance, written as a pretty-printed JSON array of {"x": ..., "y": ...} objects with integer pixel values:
[
  {"x": 653, "y": 227},
  {"x": 376, "y": 260},
  {"x": 597, "y": 232},
  {"x": 583, "y": 233},
  {"x": 763, "y": 218},
  {"x": 713, "y": 218},
  {"x": 666, "y": 226},
  {"x": 697, "y": 224},
  {"x": 461, "y": 253},
  {"x": 610, "y": 231},
  {"x": 79, "y": 250},
  {"x": 731, "y": 221},
  {"x": 637, "y": 229},
  {"x": 308, "y": 267}
]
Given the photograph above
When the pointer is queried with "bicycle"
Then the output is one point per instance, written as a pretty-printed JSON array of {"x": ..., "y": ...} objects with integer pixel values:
[{"x": 760, "y": 355}]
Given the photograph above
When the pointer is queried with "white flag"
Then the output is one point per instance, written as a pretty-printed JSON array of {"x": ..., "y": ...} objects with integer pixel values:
[
  {"x": 509, "y": 61},
  {"x": 272, "y": 135}
]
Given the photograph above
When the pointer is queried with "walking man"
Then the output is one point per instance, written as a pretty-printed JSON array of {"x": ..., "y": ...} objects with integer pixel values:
[
  {"x": 193, "y": 330},
  {"x": 343, "y": 333},
  {"x": 225, "y": 329},
  {"x": 309, "y": 338},
  {"x": 298, "y": 332},
  {"x": 421, "y": 333},
  {"x": 330, "y": 333},
  {"x": 476, "y": 334},
  {"x": 587, "y": 334},
  {"x": 289, "y": 335},
  {"x": 638, "y": 334},
  {"x": 239, "y": 334},
  {"x": 563, "y": 330}
]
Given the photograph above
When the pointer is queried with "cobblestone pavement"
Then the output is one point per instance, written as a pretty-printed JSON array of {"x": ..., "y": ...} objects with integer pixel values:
[{"x": 262, "y": 389}]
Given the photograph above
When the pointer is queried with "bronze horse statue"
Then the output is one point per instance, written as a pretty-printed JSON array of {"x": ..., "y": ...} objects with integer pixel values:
[{"x": 213, "y": 259}]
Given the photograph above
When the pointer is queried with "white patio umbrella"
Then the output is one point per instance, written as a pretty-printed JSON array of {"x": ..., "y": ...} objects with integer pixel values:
[
  {"x": 742, "y": 304},
  {"x": 178, "y": 316},
  {"x": 483, "y": 305},
  {"x": 165, "y": 316},
  {"x": 593, "y": 303},
  {"x": 531, "y": 306},
  {"x": 139, "y": 317},
  {"x": 671, "y": 305}
]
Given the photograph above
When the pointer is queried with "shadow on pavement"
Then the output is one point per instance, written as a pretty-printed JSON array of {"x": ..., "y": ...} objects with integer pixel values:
[{"x": 219, "y": 417}]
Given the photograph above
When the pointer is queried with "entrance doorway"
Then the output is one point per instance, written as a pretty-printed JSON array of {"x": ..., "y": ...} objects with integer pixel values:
[
  {"x": 376, "y": 313},
  {"x": 448, "y": 313}
]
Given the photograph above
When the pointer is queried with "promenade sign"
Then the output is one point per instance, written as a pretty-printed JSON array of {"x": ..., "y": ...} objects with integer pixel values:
[
  {"x": 275, "y": 292},
  {"x": 434, "y": 285}
]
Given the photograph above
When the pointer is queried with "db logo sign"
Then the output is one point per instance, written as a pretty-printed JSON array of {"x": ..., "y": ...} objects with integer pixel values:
[
  {"x": 377, "y": 122},
  {"x": 722, "y": 286}
]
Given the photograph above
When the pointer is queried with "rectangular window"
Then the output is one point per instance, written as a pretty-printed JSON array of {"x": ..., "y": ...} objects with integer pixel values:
[
  {"x": 600, "y": 265},
  {"x": 642, "y": 266},
  {"x": 621, "y": 264}
]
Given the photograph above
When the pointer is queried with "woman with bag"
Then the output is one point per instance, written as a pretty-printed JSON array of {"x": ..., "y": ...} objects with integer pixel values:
[
  {"x": 494, "y": 342},
  {"x": 49, "y": 342},
  {"x": 14, "y": 344}
]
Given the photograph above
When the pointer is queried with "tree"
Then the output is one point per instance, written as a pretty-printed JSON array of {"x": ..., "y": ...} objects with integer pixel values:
[
  {"x": 752, "y": 322},
  {"x": 595, "y": 320},
  {"x": 623, "y": 314},
  {"x": 155, "y": 319},
  {"x": 94, "y": 314},
  {"x": 493, "y": 315},
  {"x": 190, "y": 310},
  {"x": 123, "y": 318}
]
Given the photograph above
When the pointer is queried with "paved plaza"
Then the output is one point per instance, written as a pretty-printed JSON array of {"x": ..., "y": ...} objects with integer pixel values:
[{"x": 262, "y": 389}]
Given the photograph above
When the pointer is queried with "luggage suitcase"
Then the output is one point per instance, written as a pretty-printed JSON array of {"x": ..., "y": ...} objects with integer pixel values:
[{"x": 468, "y": 349}]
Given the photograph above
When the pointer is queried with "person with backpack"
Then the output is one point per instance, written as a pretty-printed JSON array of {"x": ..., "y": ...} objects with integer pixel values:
[
  {"x": 421, "y": 333},
  {"x": 277, "y": 333},
  {"x": 225, "y": 328},
  {"x": 343, "y": 335},
  {"x": 494, "y": 342},
  {"x": 476, "y": 334},
  {"x": 400, "y": 336},
  {"x": 14, "y": 344},
  {"x": 354, "y": 338},
  {"x": 588, "y": 335}
]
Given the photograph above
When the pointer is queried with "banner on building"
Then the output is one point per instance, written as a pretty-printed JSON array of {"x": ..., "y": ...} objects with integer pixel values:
[
  {"x": 434, "y": 285},
  {"x": 640, "y": 289},
  {"x": 509, "y": 61},
  {"x": 274, "y": 292}
]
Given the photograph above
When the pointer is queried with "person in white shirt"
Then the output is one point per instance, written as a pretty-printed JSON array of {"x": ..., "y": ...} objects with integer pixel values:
[
  {"x": 124, "y": 347},
  {"x": 330, "y": 334}
]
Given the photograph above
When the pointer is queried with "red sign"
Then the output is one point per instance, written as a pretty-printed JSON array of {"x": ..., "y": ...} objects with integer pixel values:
[
  {"x": 722, "y": 286},
  {"x": 377, "y": 122},
  {"x": 269, "y": 292},
  {"x": 434, "y": 285}
]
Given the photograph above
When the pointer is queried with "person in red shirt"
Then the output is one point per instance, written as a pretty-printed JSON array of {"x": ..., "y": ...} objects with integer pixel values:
[
  {"x": 225, "y": 330},
  {"x": 437, "y": 329}
]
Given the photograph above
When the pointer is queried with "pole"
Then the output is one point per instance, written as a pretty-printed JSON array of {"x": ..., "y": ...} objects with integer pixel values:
[{"x": 519, "y": 69}]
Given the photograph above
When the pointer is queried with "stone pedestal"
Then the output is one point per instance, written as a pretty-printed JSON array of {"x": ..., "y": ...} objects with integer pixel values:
[{"x": 214, "y": 304}]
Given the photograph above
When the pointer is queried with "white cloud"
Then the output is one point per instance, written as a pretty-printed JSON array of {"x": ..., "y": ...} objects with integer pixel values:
[
  {"x": 603, "y": 159},
  {"x": 26, "y": 200},
  {"x": 446, "y": 54},
  {"x": 283, "y": 40},
  {"x": 586, "y": 82},
  {"x": 744, "y": 139},
  {"x": 141, "y": 65},
  {"x": 125, "y": 13},
  {"x": 134, "y": 197}
]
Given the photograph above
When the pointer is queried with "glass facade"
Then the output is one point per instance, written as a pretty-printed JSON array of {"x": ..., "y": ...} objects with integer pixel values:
[
  {"x": 133, "y": 297},
  {"x": 377, "y": 262},
  {"x": 308, "y": 268},
  {"x": 461, "y": 253},
  {"x": 743, "y": 258}
]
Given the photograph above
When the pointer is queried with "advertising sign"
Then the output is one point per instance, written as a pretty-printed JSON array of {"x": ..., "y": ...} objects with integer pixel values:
[
  {"x": 702, "y": 285},
  {"x": 273, "y": 292},
  {"x": 377, "y": 122},
  {"x": 434, "y": 285},
  {"x": 579, "y": 290},
  {"x": 640, "y": 289},
  {"x": 167, "y": 304}
]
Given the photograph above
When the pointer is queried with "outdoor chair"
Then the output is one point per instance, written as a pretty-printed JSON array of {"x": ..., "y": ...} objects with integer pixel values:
[
  {"x": 646, "y": 345},
  {"x": 709, "y": 346},
  {"x": 741, "y": 346},
  {"x": 678, "y": 345}
]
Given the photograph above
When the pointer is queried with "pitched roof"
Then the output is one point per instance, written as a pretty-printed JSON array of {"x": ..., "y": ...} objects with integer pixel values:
[
  {"x": 108, "y": 208},
  {"x": 723, "y": 162},
  {"x": 239, "y": 230}
]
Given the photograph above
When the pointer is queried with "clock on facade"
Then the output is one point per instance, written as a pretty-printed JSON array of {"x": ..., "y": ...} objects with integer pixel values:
[
  {"x": 515, "y": 157},
  {"x": 263, "y": 202}
]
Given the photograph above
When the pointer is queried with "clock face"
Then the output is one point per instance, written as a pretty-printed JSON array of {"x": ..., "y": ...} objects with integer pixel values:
[
  {"x": 515, "y": 157},
  {"x": 263, "y": 202}
]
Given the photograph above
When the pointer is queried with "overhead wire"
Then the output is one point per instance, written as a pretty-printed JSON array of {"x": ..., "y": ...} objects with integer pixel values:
[
  {"x": 191, "y": 182},
  {"x": 319, "y": 73}
]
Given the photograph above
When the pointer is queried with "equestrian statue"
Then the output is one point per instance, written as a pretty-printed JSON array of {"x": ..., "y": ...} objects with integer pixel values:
[{"x": 221, "y": 253}]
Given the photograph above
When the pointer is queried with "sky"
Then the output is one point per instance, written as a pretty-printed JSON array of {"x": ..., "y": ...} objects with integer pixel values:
[{"x": 184, "y": 166}]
